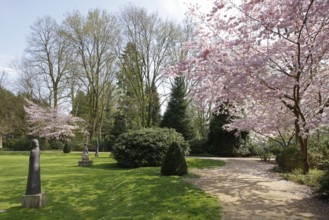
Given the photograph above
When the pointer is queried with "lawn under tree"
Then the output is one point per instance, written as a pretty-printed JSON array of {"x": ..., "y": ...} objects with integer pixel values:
[{"x": 103, "y": 191}]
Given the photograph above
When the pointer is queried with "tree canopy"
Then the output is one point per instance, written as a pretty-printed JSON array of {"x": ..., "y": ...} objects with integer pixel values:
[{"x": 270, "y": 59}]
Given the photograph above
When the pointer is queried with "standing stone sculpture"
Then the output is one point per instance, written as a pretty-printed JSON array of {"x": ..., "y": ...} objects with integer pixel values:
[{"x": 33, "y": 197}]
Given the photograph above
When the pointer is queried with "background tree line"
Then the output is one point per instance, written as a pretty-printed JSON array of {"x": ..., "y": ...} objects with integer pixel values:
[{"x": 106, "y": 69}]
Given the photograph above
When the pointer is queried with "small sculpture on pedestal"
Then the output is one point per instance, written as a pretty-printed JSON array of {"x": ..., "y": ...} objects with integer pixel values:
[
  {"x": 85, "y": 159},
  {"x": 33, "y": 197}
]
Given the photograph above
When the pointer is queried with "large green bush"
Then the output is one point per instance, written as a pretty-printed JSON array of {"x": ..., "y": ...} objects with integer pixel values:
[
  {"x": 289, "y": 159},
  {"x": 146, "y": 147},
  {"x": 174, "y": 162}
]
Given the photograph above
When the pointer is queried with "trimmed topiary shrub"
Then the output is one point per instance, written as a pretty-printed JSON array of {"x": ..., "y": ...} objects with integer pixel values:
[
  {"x": 146, "y": 147},
  {"x": 289, "y": 159},
  {"x": 67, "y": 147},
  {"x": 174, "y": 162}
]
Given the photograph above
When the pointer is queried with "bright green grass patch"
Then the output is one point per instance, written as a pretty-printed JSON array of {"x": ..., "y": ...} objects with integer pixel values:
[
  {"x": 203, "y": 163},
  {"x": 311, "y": 178},
  {"x": 103, "y": 191}
]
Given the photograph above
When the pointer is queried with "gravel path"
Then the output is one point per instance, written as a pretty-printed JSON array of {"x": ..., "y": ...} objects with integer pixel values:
[{"x": 247, "y": 189}]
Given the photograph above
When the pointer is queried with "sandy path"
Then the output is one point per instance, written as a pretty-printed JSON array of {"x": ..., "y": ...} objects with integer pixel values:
[{"x": 248, "y": 190}]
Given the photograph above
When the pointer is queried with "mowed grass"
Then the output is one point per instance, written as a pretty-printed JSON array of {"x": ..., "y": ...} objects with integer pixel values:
[{"x": 103, "y": 191}]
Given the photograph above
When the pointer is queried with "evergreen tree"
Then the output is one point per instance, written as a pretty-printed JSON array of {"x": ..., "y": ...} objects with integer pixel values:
[
  {"x": 220, "y": 141},
  {"x": 176, "y": 115},
  {"x": 174, "y": 162},
  {"x": 120, "y": 126},
  {"x": 154, "y": 116},
  {"x": 131, "y": 88}
]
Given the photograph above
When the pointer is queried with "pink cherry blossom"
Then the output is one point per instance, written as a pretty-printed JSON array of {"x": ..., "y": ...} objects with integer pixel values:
[
  {"x": 269, "y": 58},
  {"x": 50, "y": 123}
]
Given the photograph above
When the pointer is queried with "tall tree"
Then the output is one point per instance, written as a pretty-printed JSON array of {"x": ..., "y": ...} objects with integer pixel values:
[
  {"x": 270, "y": 59},
  {"x": 92, "y": 39},
  {"x": 3, "y": 79},
  {"x": 152, "y": 38},
  {"x": 12, "y": 116},
  {"x": 49, "y": 56},
  {"x": 176, "y": 115},
  {"x": 154, "y": 106},
  {"x": 130, "y": 87}
]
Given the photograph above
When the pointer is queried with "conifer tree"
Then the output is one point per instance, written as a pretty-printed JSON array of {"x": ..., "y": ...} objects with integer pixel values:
[
  {"x": 176, "y": 115},
  {"x": 220, "y": 141}
]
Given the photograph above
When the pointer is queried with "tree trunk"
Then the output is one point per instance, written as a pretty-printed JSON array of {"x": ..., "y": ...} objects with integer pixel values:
[
  {"x": 303, "y": 144},
  {"x": 303, "y": 148}
]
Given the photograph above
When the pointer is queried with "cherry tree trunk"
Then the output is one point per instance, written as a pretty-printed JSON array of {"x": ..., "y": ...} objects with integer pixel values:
[{"x": 303, "y": 147}]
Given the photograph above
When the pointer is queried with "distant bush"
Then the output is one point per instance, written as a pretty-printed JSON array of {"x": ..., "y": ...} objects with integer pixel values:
[
  {"x": 174, "y": 162},
  {"x": 18, "y": 143},
  {"x": 324, "y": 183},
  {"x": 198, "y": 146},
  {"x": 56, "y": 145},
  {"x": 146, "y": 147},
  {"x": 318, "y": 154},
  {"x": 289, "y": 159}
]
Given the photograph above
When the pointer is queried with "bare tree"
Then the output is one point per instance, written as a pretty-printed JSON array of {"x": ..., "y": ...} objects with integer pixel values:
[
  {"x": 3, "y": 79},
  {"x": 92, "y": 39},
  {"x": 48, "y": 54},
  {"x": 28, "y": 82},
  {"x": 153, "y": 38}
]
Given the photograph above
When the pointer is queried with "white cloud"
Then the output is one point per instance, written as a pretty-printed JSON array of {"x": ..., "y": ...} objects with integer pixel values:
[
  {"x": 177, "y": 8},
  {"x": 7, "y": 70}
]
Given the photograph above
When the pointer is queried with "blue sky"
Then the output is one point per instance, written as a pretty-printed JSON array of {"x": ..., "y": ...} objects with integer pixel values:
[{"x": 16, "y": 17}]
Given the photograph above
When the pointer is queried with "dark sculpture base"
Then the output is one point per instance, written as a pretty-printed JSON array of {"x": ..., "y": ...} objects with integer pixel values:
[
  {"x": 34, "y": 201},
  {"x": 85, "y": 163}
]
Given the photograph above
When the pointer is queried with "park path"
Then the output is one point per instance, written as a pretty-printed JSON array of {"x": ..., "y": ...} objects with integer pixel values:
[{"x": 248, "y": 190}]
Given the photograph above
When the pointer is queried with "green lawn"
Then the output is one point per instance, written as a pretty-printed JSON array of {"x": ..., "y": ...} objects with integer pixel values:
[{"x": 103, "y": 191}]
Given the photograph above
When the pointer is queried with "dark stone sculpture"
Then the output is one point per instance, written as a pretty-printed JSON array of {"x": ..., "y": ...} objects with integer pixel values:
[
  {"x": 33, "y": 197},
  {"x": 33, "y": 181}
]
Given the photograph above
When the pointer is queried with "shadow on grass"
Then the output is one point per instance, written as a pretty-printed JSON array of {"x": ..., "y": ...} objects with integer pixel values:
[{"x": 105, "y": 191}]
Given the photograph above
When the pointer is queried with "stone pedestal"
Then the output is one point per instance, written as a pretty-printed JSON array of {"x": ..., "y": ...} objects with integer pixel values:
[
  {"x": 85, "y": 163},
  {"x": 34, "y": 201}
]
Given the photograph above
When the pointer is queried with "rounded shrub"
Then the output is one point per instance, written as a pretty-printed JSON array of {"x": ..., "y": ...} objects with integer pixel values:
[
  {"x": 146, "y": 147},
  {"x": 289, "y": 159},
  {"x": 174, "y": 162}
]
